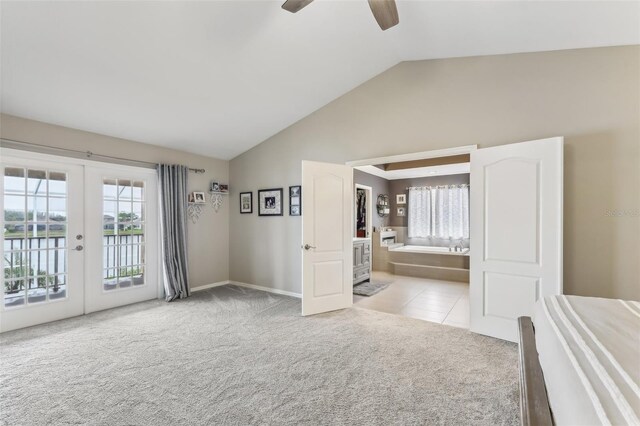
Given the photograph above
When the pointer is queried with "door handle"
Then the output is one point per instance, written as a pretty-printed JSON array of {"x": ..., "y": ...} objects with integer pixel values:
[
  {"x": 78, "y": 248},
  {"x": 307, "y": 247}
]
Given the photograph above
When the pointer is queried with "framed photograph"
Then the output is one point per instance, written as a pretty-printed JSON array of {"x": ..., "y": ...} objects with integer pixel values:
[
  {"x": 270, "y": 202},
  {"x": 197, "y": 198},
  {"x": 402, "y": 211},
  {"x": 295, "y": 200},
  {"x": 223, "y": 188},
  {"x": 401, "y": 198},
  {"x": 214, "y": 187},
  {"x": 246, "y": 202}
]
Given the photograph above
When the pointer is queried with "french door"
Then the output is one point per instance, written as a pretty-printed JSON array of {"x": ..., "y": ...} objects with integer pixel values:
[
  {"x": 42, "y": 247},
  {"x": 121, "y": 226},
  {"x": 77, "y": 237}
]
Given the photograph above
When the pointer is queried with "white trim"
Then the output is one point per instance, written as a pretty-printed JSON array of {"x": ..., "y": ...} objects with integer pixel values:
[
  {"x": 447, "y": 152},
  {"x": 267, "y": 289},
  {"x": 208, "y": 286},
  {"x": 369, "y": 230}
]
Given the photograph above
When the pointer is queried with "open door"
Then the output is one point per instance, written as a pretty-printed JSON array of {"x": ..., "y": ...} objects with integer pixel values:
[
  {"x": 327, "y": 229},
  {"x": 516, "y": 232}
]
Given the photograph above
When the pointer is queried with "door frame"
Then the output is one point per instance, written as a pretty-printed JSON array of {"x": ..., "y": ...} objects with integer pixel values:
[
  {"x": 369, "y": 202},
  {"x": 32, "y": 155}
]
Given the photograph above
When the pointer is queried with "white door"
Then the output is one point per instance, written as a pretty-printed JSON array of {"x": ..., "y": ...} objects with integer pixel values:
[
  {"x": 121, "y": 236},
  {"x": 327, "y": 244},
  {"x": 42, "y": 241},
  {"x": 516, "y": 232}
]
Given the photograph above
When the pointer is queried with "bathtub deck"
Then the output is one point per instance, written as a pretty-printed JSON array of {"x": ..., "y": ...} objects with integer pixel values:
[{"x": 444, "y": 302}]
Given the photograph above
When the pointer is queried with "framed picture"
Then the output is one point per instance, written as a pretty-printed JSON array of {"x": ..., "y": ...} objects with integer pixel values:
[
  {"x": 270, "y": 202},
  {"x": 401, "y": 211},
  {"x": 295, "y": 200},
  {"x": 401, "y": 198},
  {"x": 246, "y": 202},
  {"x": 223, "y": 188},
  {"x": 214, "y": 187},
  {"x": 196, "y": 198}
]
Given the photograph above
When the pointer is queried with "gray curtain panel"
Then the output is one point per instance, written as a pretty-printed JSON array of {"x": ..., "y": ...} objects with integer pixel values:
[{"x": 173, "y": 219}]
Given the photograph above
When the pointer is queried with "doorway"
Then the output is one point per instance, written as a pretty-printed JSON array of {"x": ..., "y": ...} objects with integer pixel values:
[
  {"x": 78, "y": 237},
  {"x": 419, "y": 245}
]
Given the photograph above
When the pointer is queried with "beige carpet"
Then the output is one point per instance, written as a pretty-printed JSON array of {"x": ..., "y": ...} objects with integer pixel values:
[{"x": 241, "y": 357}]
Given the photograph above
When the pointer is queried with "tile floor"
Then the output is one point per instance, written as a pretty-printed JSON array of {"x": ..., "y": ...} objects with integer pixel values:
[{"x": 444, "y": 302}]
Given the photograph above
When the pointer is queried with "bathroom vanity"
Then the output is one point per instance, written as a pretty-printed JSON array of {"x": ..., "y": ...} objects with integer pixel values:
[{"x": 361, "y": 260}]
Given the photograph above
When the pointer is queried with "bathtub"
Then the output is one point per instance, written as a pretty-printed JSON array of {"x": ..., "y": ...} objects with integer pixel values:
[
  {"x": 427, "y": 249},
  {"x": 428, "y": 262}
]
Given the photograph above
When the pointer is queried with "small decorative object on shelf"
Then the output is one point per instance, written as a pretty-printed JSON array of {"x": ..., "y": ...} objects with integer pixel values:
[
  {"x": 246, "y": 202},
  {"x": 295, "y": 200},
  {"x": 196, "y": 198},
  {"x": 270, "y": 202},
  {"x": 214, "y": 187}
]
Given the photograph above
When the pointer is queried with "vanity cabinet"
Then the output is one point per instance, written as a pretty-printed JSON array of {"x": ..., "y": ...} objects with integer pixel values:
[{"x": 361, "y": 260}]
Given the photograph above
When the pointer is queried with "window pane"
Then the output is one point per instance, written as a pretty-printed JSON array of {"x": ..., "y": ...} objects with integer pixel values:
[
  {"x": 36, "y": 209},
  {"x": 14, "y": 182},
  {"x": 109, "y": 214},
  {"x": 57, "y": 262},
  {"x": 57, "y": 184},
  {"x": 124, "y": 189},
  {"x": 14, "y": 208},
  {"x": 57, "y": 287},
  {"x": 109, "y": 189},
  {"x": 37, "y": 182},
  {"x": 138, "y": 190},
  {"x": 13, "y": 232},
  {"x": 57, "y": 237},
  {"x": 14, "y": 293},
  {"x": 138, "y": 212},
  {"x": 125, "y": 211},
  {"x": 37, "y": 291},
  {"x": 58, "y": 209},
  {"x": 15, "y": 264},
  {"x": 138, "y": 275}
]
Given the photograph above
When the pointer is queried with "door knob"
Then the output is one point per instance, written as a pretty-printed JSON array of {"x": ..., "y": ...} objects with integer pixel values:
[
  {"x": 307, "y": 247},
  {"x": 78, "y": 248}
]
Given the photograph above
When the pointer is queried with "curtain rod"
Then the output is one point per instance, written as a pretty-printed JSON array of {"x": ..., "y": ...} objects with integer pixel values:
[
  {"x": 461, "y": 185},
  {"x": 10, "y": 143}
]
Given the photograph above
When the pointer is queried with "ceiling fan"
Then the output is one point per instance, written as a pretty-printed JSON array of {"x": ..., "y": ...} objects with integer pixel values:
[{"x": 384, "y": 11}]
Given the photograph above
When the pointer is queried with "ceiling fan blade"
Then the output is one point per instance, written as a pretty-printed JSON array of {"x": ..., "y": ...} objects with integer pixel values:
[
  {"x": 385, "y": 12},
  {"x": 295, "y": 5}
]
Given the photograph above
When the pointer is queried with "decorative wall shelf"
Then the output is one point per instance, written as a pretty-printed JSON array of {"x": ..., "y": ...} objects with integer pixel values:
[
  {"x": 216, "y": 199},
  {"x": 194, "y": 210}
]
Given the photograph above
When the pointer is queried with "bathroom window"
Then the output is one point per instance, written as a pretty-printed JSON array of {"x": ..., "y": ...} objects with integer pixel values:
[{"x": 439, "y": 212}]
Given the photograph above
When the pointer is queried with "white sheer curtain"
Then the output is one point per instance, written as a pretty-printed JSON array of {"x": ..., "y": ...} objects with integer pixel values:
[{"x": 439, "y": 212}]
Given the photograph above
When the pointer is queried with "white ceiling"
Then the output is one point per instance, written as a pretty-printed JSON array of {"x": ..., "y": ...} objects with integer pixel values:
[
  {"x": 217, "y": 78},
  {"x": 417, "y": 172}
]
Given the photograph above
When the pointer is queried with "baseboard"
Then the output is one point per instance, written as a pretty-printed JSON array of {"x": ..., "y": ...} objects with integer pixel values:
[
  {"x": 212, "y": 285},
  {"x": 267, "y": 289}
]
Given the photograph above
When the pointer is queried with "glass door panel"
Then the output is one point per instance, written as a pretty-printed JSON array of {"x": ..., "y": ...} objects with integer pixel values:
[{"x": 122, "y": 217}]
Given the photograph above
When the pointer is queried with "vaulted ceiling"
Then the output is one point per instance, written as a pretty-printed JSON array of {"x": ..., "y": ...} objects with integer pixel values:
[{"x": 217, "y": 78}]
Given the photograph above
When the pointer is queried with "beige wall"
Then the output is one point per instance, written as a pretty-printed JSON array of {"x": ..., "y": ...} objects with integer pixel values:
[
  {"x": 589, "y": 96},
  {"x": 208, "y": 248}
]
